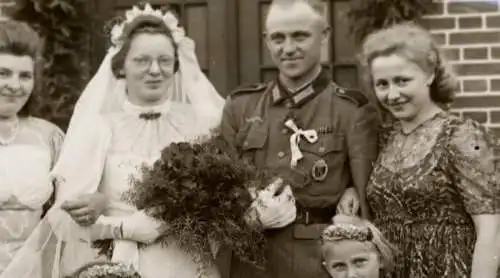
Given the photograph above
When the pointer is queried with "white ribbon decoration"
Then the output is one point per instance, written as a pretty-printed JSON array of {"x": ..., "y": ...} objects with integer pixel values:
[{"x": 310, "y": 134}]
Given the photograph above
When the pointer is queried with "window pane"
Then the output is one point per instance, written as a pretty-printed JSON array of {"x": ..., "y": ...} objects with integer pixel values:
[
  {"x": 345, "y": 49},
  {"x": 346, "y": 76},
  {"x": 196, "y": 18},
  {"x": 268, "y": 75},
  {"x": 265, "y": 57}
]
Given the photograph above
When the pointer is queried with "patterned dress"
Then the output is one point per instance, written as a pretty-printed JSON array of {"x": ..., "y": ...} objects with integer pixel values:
[
  {"x": 424, "y": 188},
  {"x": 24, "y": 185}
]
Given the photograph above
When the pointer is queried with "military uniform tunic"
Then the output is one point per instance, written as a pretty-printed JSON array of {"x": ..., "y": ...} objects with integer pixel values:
[{"x": 346, "y": 126}]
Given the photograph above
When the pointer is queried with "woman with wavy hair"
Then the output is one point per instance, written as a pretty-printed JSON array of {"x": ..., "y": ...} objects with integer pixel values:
[
  {"x": 434, "y": 191},
  {"x": 29, "y": 146}
]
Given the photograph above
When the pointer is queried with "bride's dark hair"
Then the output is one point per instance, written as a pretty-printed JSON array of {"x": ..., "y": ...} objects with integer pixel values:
[{"x": 144, "y": 24}]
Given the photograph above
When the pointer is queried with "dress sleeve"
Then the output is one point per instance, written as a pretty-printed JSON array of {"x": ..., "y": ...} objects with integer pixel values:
[
  {"x": 474, "y": 171},
  {"x": 56, "y": 140}
]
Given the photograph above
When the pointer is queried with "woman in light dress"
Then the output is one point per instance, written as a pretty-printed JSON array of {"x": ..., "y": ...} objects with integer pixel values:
[
  {"x": 148, "y": 92},
  {"x": 29, "y": 146}
]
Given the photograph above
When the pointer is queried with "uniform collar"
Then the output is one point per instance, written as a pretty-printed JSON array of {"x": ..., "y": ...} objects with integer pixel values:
[{"x": 280, "y": 94}]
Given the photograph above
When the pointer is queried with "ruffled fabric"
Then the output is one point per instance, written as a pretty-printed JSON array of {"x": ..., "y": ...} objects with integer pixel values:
[{"x": 25, "y": 164}]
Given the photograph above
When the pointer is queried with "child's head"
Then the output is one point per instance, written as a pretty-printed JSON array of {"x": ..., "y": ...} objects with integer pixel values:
[
  {"x": 105, "y": 270},
  {"x": 353, "y": 247}
]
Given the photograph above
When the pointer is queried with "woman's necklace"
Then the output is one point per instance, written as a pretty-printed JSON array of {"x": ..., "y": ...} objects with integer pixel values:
[
  {"x": 404, "y": 138},
  {"x": 11, "y": 130}
]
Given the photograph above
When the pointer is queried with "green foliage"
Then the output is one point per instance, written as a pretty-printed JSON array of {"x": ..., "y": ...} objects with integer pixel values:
[
  {"x": 64, "y": 25},
  {"x": 366, "y": 16}
]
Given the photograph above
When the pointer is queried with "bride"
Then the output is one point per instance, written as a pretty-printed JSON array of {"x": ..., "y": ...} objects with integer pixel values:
[{"x": 148, "y": 92}]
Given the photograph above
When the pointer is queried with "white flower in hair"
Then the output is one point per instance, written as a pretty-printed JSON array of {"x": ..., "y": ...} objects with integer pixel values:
[
  {"x": 116, "y": 33},
  {"x": 135, "y": 12},
  {"x": 168, "y": 18}
]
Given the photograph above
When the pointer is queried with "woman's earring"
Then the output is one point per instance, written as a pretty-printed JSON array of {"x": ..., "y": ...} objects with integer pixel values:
[{"x": 122, "y": 73}]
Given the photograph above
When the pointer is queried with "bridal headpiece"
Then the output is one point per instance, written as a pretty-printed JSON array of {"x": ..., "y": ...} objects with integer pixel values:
[
  {"x": 167, "y": 17},
  {"x": 346, "y": 231}
]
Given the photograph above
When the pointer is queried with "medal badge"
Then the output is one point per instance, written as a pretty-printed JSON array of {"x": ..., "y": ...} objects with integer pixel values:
[{"x": 319, "y": 170}]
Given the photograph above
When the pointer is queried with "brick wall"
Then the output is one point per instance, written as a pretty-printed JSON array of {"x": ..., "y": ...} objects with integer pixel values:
[{"x": 469, "y": 32}]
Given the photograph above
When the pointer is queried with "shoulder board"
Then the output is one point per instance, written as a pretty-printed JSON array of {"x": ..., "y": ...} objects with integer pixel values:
[
  {"x": 356, "y": 96},
  {"x": 249, "y": 89}
]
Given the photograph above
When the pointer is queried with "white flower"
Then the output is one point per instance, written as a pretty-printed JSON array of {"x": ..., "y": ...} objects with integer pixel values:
[
  {"x": 178, "y": 34},
  {"x": 116, "y": 34},
  {"x": 171, "y": 21},
  {"x": 168, "y": 18}
]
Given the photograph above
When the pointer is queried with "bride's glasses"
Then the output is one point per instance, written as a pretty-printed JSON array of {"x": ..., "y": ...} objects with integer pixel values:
[{"x": 165, "y": 64}]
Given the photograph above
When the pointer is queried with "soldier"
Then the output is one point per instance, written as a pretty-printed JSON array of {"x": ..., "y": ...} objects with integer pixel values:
[{"x": 321, "y": 137}]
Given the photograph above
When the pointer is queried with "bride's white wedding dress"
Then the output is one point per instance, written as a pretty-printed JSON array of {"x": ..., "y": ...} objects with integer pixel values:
[{"x": 136, "y": 141}]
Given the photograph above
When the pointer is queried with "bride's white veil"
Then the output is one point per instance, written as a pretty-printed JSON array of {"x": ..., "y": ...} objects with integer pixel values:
[{"x": 80, "y": 165}]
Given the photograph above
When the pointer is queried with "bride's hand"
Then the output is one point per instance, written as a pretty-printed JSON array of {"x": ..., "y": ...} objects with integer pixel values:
[
  {"x": 142, "y": 228},
  {"x": 86, "y": 209}
]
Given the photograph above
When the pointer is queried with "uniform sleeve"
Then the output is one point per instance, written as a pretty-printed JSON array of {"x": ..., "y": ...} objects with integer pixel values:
[
  {"x": 471, "y": 153},
  {"x": 362, "y": 142},
  {"x": 229, "y": 127}
]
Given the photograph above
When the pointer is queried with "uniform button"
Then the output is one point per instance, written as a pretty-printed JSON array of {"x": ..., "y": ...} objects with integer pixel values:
[
  {"x": 321, "y": 149},
  {"x": 281, "y": 154},
  {"x": 284, "y": 131},
  {"x": 245, "y": 143}
]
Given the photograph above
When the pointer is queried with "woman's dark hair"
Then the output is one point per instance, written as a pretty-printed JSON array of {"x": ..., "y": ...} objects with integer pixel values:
[
  {"x": 19, "y": 39},
  {"x": 144, "y": 24}
]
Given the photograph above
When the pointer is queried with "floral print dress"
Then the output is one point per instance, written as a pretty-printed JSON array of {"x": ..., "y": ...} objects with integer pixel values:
[{"x": 424, "y": 189}]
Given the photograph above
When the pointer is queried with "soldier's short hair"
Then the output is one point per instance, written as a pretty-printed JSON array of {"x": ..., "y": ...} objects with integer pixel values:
[{"x": 317, "y": 5}]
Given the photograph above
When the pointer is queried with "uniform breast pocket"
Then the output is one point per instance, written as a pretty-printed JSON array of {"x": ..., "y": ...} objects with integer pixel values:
[
  {"x": 327, "y": 144},
  {"x": 326, "y": 153},
  {"x": 253, "y": 136}
]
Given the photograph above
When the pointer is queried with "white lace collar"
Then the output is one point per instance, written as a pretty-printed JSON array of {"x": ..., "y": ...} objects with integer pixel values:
[{"x": 162, "y": 108}]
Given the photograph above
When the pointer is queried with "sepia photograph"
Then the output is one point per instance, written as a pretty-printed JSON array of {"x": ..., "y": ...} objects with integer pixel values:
[{"x": 249, "y": 139}]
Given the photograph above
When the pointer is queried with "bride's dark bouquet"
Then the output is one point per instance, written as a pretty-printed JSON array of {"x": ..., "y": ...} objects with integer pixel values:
[{"x": 201, "y": 191}]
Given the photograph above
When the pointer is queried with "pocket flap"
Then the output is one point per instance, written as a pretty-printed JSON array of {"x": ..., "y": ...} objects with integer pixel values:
[
  {"x": 326, "y": 143},
  {"x": 256, "y": 136}
]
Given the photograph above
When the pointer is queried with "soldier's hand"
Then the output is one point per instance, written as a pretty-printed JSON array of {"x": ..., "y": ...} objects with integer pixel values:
[
  {"x": 349, "y": 203},
  {"x": 275, "y": 209}
]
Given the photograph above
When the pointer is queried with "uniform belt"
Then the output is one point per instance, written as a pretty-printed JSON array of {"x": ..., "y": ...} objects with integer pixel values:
[{"x": 314, "y": 215}]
